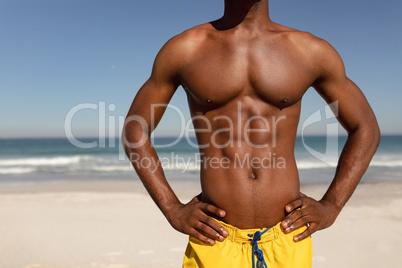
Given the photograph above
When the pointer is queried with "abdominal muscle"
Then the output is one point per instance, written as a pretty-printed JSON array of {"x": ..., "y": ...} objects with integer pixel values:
[
  {"x": 252, "y": 175},
  {"x": 251, "y": 197}
]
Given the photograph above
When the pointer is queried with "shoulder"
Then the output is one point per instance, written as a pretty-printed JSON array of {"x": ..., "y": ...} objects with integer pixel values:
[
  {"x": 178, "y": 51},
  {"x": 327, "y": 61},
  {"x": 185, "y": 44},
  {"x": 307, "y": 41},
  {"x": 323, "y": 57},
  {"x": 314, "y": 51},
  {"x": 321, "y": 52},
  {"x": 317, "y": 51}
]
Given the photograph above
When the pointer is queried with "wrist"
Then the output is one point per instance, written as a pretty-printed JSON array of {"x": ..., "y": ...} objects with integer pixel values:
[
  {"x": 171, "y": 209},
  {"x": 332, "y": 206}
]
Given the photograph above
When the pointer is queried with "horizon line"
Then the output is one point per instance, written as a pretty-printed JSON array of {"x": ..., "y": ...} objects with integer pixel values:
[{"x": 167, "y": 136}]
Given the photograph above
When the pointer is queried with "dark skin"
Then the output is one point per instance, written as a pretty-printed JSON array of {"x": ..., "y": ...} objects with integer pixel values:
[{"x": 248, "y": 69}]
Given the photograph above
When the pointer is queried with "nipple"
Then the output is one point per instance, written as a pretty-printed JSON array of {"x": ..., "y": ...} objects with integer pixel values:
[
  {"x": 284, "y": 100},
  {"x": 208, "y": 100}
]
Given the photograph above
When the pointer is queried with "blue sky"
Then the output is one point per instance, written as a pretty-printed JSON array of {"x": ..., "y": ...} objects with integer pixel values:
[{"x": 55, "y": 55}]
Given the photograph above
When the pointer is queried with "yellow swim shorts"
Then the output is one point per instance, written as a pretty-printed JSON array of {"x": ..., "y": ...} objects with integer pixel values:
[{"x": 246, "y": 248}]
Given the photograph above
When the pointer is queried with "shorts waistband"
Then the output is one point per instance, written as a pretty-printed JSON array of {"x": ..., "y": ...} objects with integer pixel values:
[{"x": 243, "y": 235}]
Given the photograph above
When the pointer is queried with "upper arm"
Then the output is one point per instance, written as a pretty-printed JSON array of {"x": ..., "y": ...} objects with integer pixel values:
[
  {"x": 349, "y": 104},
  {"x": 153, "y": 97}
]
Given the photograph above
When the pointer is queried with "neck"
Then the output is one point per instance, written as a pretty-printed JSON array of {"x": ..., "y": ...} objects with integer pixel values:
[{"x": 249, "y": 14}]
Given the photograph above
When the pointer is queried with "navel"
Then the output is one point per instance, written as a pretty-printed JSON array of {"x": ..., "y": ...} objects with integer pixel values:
[{"x": 252, "y": 175}]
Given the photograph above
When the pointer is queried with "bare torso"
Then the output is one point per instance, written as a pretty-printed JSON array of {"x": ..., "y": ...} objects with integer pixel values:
[
  {"x": 244, "y": 76},
  {"x": 244, "y": 92}
]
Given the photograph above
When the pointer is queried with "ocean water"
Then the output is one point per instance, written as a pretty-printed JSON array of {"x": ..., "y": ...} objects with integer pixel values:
[{"x": 43, "y": 160}]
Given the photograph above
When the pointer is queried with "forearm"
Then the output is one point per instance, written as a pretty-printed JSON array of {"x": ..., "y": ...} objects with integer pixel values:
[
  {"x": 190, "y": 218},
  {"x": 354, "y": 160},
  {"x": 145, "y": 161},
  {"x": 353, "y": 163}
]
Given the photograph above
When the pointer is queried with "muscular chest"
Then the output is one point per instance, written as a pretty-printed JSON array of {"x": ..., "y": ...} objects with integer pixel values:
[{"x": 220, "y": 73}]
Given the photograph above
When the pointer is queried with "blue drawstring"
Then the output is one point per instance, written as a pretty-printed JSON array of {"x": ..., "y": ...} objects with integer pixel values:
[{"x": 260, "y": 256}]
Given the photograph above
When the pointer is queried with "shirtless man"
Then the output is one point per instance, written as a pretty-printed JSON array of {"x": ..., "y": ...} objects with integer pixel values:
[{"x": 243, "y": 71}]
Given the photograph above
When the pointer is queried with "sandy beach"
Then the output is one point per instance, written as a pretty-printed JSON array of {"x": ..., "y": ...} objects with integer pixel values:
[{"x": 117, "y": 225}]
